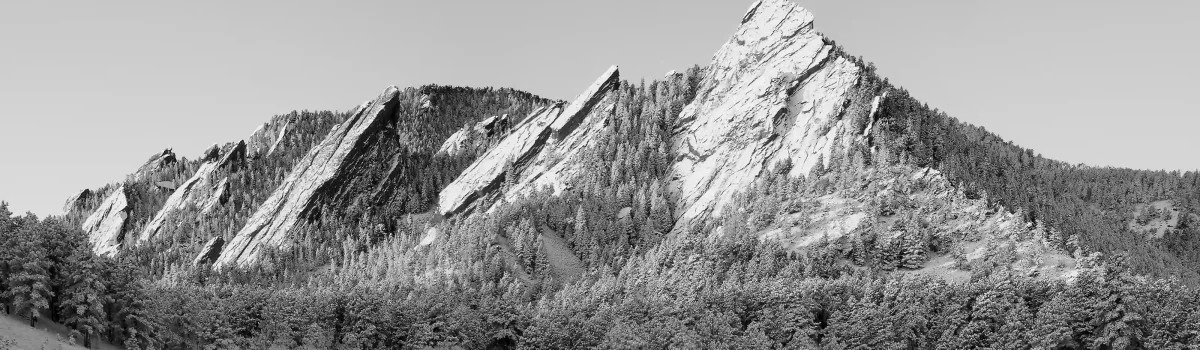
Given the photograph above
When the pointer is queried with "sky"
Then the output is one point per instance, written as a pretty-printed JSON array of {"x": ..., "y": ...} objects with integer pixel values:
[{"x": 90, "y": 90}]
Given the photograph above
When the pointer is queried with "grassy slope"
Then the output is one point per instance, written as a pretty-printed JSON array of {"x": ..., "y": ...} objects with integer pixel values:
[{"x": 47, "y": 335}]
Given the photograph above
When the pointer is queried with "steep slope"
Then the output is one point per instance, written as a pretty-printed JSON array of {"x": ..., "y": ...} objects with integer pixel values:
[
  {"x": 542, "y": 151},
  {"x": 371, "y": 171},
  {"x": 325, "y": 165},
  {"x": 776, "y": 91},
  {"x": 268, "y": 136},
  {"x": 206, "y": 189},
  {"x": 106, "y": 225},
  {"x": 77, "y": 201},
  {"x": 475, "y": 138}
]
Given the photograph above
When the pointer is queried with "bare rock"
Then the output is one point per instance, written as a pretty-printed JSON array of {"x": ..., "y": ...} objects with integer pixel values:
[
  {"x": 484, "y": 176},
  {"x": 542, "y": 151},
  {"x": 204, "y": 188},
  {"x": 220, "y": 196},
  {"x": 77, "y": 201},
  {"x": 775, "y": 91},
  {"x": 325, "y": 165},
  {"x": 210, "y": 251},
  {"x": 267, "y": 137},
  {"x": 475, "y": 138},
  {"x": 158, "y": 162},
  {"x": 106, "y": 226}
]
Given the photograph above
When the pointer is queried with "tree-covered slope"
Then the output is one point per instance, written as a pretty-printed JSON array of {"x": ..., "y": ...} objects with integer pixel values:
[{"x": 781, "y": 196}]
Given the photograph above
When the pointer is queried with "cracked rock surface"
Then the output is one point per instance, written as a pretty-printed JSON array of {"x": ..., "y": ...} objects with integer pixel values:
[
  {"x": 775, "y": 91},
  {"x": 540, "y": 152},
  {"x": 324, "y": 165},
  {"x": 204, "y": 189},
  {"x": 106, "y": 226}
]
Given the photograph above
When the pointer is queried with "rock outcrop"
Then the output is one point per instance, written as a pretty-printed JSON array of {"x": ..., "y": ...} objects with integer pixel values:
[
  {"x": 77, "y": 201},
  {"x": 157, "y": 163},
  {"x": 475, "y": 138},
  {"x": 204, "y": 189},
  {"x": 775, "y": 91},
  {"x": 322, "y": 169},
  {"x": 210, "y": 252},
  {"x": 106, "y": 226},
  {"x": 267, "y": 137},
  {"x": 543, "y": 151}
]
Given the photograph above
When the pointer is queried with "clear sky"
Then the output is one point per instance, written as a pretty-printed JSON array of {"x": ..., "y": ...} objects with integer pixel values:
[{"x": 89, "y": 90}]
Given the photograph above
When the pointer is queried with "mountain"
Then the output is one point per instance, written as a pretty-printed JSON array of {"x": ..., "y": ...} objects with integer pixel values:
[{"x": 783, "y": 195}]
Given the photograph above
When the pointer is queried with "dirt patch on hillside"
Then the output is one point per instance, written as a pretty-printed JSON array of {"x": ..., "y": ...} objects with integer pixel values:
[
  {"x": 563, "y": 262},
  {"x": 1154, "y": 219}
]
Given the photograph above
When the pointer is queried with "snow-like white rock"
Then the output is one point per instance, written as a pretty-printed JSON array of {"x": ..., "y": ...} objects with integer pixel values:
[
  {"x": 203, "y": 189},
  {"x": 775, "y": 91},
  {"x": 485, "y": 175},
  {"x": 268, "y": 136},
  {"x": 544, "y": 151},
  {"x": 106, "y": 226},
  {"x": 474, "y": 137},
  {"x": 326, "y": 162},
  {"x": 76, "y": 201}
]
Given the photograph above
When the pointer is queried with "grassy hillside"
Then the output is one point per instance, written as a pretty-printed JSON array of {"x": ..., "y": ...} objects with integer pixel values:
[{"x": 16, "y": 334}]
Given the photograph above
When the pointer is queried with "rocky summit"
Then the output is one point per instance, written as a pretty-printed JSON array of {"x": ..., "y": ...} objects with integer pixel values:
[
  {"x": 780, "y": 195},
  {"x": 774, "y": 92}
]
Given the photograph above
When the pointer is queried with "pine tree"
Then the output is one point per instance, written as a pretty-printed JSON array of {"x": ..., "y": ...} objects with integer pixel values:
[
  {"x": 581, "y": 225},
  {"x": 914, "y": 250},
  {"x": 84, "y": 297},
  {"x": 130, "y": 315},
  {"x": 7, "y": 253},
  {"x": 29, "y": 277}
]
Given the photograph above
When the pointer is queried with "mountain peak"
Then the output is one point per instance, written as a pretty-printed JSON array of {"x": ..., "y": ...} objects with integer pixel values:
[{"x": 773, "y": 92}]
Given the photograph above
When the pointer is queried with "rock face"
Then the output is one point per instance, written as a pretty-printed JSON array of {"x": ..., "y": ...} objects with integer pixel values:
[
  {"x": 210, "y": 251},
  {"x": 775, "y": 91},
  {"x": 476, "y": 137},
  {"x": 158, "y": 162},
  {"x": 204, "y": 189},
  {"x": 264, "y": 140},
  {"x": 106, "y": 226},
  {"x": 77, "y": 201},
  {"x": 542, "y": 151},
  {"x": 319, "y": 171}
]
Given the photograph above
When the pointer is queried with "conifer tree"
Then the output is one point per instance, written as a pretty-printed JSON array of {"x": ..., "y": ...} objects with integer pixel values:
[
  {"x": 914, "y": 250},
  {"x": 29, "y": 275},
  {"x": 83, "y": 300}
]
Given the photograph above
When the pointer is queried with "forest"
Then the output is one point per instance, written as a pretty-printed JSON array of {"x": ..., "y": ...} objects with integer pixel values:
[{"x": 601, "y": 267}]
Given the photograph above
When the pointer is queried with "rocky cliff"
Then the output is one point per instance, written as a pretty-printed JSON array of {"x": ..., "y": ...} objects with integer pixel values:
[
  {"x": 540, "y": 152},
  {"x": 106, "y": 225},
  {"x": 206, "y": 189},
  {"x": 324, "y": 166},
  {"x": 157, "y": 163},
  {"x": 475, "y": 138},
  {"x": 774, "y": 92},
  {"x": 77, "y": 201},
  {"x": 267, "y": 137}
]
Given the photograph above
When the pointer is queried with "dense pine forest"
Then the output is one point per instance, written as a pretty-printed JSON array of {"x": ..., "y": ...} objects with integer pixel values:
[
  {"x": 858, "y": 217},
  {"x": 600, "y": 267}
]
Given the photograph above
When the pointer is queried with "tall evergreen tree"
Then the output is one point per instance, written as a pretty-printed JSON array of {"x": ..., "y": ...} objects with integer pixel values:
[
  {"x": 83, "y": 301},
  {"x": 29, "y": 275}
]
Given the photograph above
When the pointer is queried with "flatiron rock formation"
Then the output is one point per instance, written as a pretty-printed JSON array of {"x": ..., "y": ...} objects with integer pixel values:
[
  {"x": 204, "y": 189},
  {"x": 543, "y": 151},
  {"x": 325, "y": 166},
  {"x": 774, "y": 92},
  {"x": 106, "y": 226}
]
